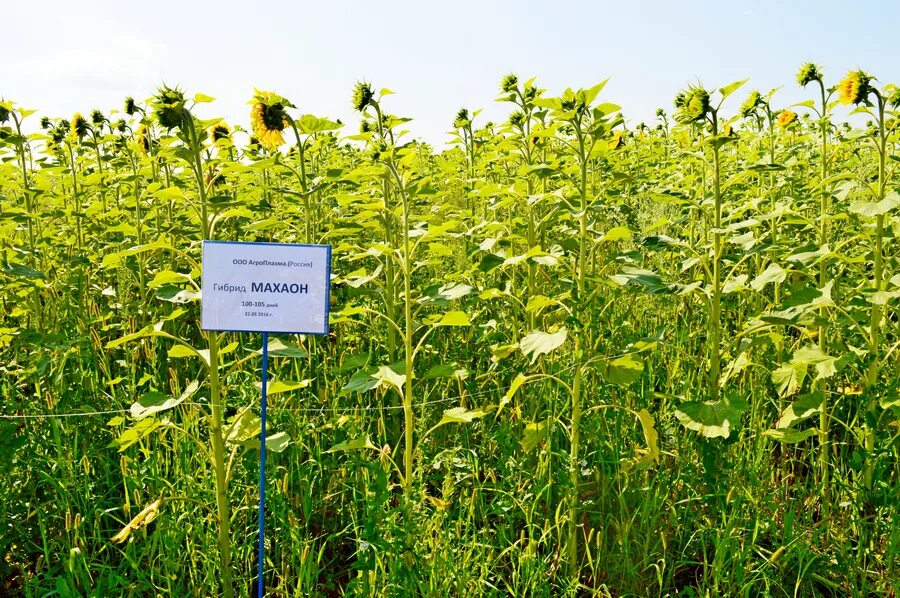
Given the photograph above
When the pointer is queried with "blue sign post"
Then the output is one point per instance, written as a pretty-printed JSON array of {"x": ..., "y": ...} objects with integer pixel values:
[{"x": 265, "y": 287}]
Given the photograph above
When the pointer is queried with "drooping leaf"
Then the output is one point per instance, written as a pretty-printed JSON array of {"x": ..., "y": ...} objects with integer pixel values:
[
  {"x": 353, "y": 445},
  {"x": 517, "y": 382},
  {"x": 135, "y": 433},
  {"x": 789, "y": 435},
  {"x": 142, "y": 519},
  {"x": 157, "y": 402},
  {"x": 280, "y": 386}
]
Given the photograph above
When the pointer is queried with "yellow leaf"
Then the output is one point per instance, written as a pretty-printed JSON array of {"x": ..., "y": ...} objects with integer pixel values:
[{"x": 140, "y": 520}]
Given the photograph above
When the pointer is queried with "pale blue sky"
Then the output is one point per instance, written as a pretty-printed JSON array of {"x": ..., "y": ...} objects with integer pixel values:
[{"x": 69, "y": 56}]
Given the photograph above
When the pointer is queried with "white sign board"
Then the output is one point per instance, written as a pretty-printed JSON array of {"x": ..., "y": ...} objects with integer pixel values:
[{"x": 265, "y": 287}]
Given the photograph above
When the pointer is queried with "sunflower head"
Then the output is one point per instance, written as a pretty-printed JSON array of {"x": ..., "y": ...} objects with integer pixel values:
[
  {"x": 855, "y": 87},
  {"x": 617, "y": 140},
  {"x": 694, "y": 104},
  {"x": 219, "y": 132},
  {"x": 509, "y": 83},
  {"x": 517, "y": 119},
  {"x": 362, "y": 96},
  {"x": 462, "y": 119},
  {"x": 143, "y": 139},
  {"x": 121, "y": 125},
  {"x": 215, "y": 179},
  {"x": 786, "y": 117},
  {"x": 531, "y": 93},
  {"x": 130, "y": 106},
  {"x": 808, "y": 73},
  {"x": 269, "y": 118},
  {"x": 660, "y": 113},
  {"x": 168, "y": 106},
  {"x": 751, "y": 104},
  {"x": 366, "y": 126},
  {"x": 97, "y": 118},
  {"x": 78, "y": 128},
  {"x": 4, "y": 114},
  {"x": 46, "y": 123}
]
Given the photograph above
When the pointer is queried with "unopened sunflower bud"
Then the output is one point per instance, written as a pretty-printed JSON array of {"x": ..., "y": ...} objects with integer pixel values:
[
  {"x": 509, "y": 83},
  {"x": 362, "y": 96},
  {"x": 893, "y": 96},
  {"x": 168, "y": 105},
  {"x": 462, "y": 119},
  {"x": 808, "y": 73},
  {"x": 694, "y": 104},
  {"x": 750, "y": 105}
]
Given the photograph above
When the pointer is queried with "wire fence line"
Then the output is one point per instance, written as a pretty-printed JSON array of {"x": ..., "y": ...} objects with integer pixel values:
[{"x": 320, "y": 410}]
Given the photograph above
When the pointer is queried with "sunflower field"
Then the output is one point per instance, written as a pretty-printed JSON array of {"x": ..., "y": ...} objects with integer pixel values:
[{"x": 568, "y": 355}]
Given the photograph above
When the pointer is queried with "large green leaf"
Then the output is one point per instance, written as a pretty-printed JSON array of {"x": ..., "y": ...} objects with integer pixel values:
[
  {"x": 712, "y": 418},
  {"x": 871, "y": 209},
  {"x": 156, "y": 402},
  {"x": 461, "y": 415},
  {"x": 624, "y": 370},
  {"x": 539, "y": 343},
  {"x": 279, "y": 348},
  {"x": 804, "y": 407},
  {"x": 773, "y": 274},
  {"x": 534, "y": 434},
  {"x": 454, "y": 318}
]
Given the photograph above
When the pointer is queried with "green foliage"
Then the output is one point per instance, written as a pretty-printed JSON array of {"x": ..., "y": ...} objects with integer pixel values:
[{"x": 522, "y": 392}]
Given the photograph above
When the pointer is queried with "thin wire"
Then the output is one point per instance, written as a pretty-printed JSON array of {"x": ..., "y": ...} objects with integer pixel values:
[
  {"x": 320, "y": 410},
  {"x": 81, "y": 414}
]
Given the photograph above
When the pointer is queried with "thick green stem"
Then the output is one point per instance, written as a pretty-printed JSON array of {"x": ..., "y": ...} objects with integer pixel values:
[
  {"x": 824, "y": 421},
  {"x": 574, "y": 469},
  {"x": 875, "y": 322},
  {"x": 217, "y": 432},
  {"x": 715, "y": 301},
  {"x": 409, "y": 416}
]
